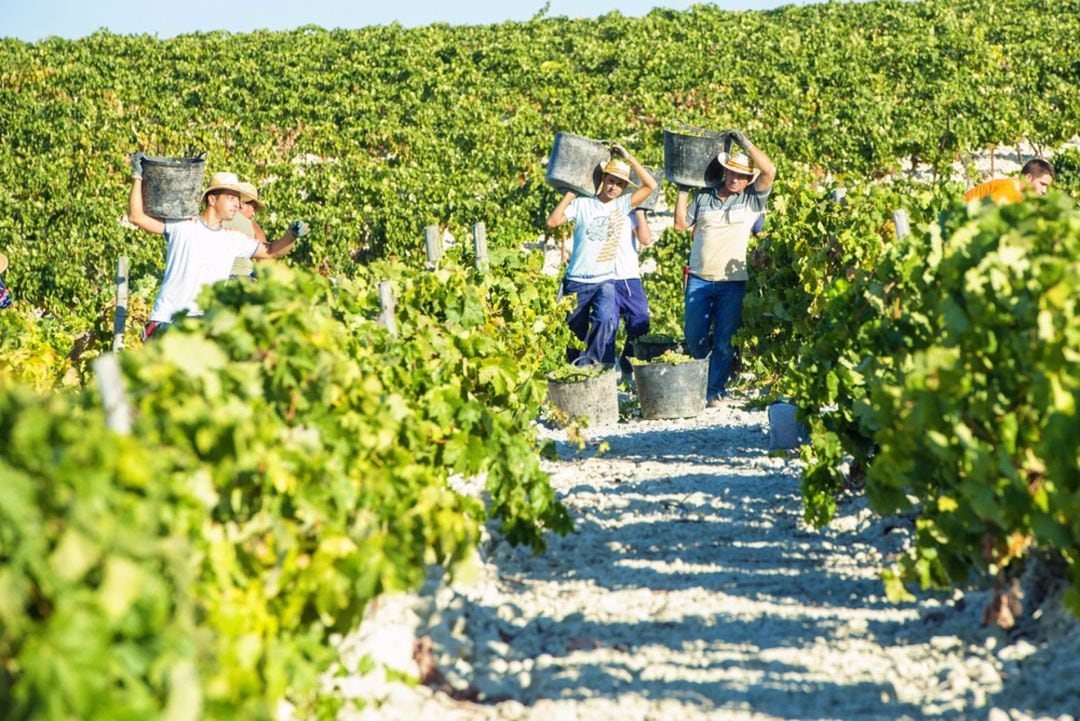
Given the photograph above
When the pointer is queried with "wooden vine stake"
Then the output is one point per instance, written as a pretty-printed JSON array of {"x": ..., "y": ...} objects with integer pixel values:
[
  {"x": 113, "y": 395},
  {"x": 480, "y": 245},
  {"x": 433, "y": 243},
  {"x": 900, "y": 221},
  {"x": 120, "y": 317},
  {"x": 386, "y": 300}
]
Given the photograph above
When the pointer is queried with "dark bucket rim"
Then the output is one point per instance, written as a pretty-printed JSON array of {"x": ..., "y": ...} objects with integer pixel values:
[{"x": 175, "y": 162}]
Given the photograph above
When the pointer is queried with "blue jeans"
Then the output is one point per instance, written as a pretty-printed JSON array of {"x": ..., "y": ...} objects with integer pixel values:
[
  {"x": 593, "y": 321},
  {"x": 631, "y": 305},
  {"x": 713, "y": 314}
]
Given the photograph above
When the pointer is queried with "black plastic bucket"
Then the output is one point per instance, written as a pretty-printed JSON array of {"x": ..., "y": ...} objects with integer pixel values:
[
  {"x": 672, "y": 390},
  {"x": 690, "y": 157},
  {"x": 650, "y": 202},
  {"x": 648, "y": 349},
  {"x": 594, "y": 397},
  {"x": 172, "y": 187},
  {"x": 576, "y": 164}
]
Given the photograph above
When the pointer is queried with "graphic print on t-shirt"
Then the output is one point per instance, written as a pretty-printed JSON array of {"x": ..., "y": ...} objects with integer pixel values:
[{"x": 612, "y": 229}]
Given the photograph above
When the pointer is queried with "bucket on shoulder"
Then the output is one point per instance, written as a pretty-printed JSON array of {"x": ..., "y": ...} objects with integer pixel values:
[
  {"x": 690, "y": 156},
  {"x": 576, "y": 163},
  {"x": 172, "y": 187}
]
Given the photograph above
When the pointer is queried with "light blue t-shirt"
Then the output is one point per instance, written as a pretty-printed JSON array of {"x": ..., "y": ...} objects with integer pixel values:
[{"x": 599, "y": 229}]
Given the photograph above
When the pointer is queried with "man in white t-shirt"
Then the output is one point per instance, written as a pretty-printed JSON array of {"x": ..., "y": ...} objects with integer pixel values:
[
  {"x": 199, "y": 252},
  {"x": 601, "y": 225}
]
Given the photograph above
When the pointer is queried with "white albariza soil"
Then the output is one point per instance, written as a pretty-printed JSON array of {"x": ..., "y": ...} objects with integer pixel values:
[{"x": 691, "y": 588}]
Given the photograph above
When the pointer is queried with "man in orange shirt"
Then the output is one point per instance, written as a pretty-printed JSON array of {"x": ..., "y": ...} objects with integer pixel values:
[{"x": 1035, "y": 177}]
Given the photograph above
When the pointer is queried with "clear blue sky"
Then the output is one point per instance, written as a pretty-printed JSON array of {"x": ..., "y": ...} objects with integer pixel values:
[{"x": 34, "y": 20}]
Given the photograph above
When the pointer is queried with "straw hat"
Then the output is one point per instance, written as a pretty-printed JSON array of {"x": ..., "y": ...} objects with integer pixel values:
[
  {"x": 250, "y": 194},
  {"x": 740, "y": 162},
  {"x": 224, "y": 181},
  {"x": 3, "y": 262},
  {"x": 619, "y": 169}
]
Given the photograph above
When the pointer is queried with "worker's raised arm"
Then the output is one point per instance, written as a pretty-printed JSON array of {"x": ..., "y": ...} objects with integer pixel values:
[
  {"x": 648, "y": 182},
  {"x": 762, "y": 162},
  {"x": 136, "y": 214},
  {"x": 558, "y": 216}
]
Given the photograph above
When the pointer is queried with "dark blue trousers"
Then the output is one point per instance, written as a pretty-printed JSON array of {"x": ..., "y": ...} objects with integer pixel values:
[
  {"x": 593, "y": 320},
  {"x": 713, "y": 315},
  {"x": 631, "y": 306}
]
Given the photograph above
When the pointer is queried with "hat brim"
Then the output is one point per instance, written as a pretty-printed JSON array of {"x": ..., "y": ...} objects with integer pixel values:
[
  {"x": 3, "y": 263},
  {"x": 629, "y": 183},
  {"x": 227, "y": 186},
  {"x": 725, "y": 162}
]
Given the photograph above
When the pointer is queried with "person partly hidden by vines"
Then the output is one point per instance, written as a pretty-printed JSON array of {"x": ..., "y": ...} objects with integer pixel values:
[
  {"x": 601, "y": 225},
  {"x": 1035, "y": 179},
  {"x": 199, "y": 251},
  {"x": 5, "y": 295},
  {"x": 244, "y": 221}
]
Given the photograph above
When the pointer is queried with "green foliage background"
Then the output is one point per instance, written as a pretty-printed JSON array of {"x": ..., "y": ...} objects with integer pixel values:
[
  {"x": 372, "y": 134},
  {"x": 295, "y": 464}
]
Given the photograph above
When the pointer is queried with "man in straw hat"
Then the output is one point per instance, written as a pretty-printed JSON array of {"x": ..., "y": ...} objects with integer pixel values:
[
  {"x": 244, "y": 221},
  {"x": 721, "y": 220},
  {"x": 601, "y": 225},
  {"x": 200, "y": 251}
]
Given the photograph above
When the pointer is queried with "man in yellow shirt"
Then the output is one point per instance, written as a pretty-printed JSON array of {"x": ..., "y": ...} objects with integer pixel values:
[{"x": 1035, "y": 177}]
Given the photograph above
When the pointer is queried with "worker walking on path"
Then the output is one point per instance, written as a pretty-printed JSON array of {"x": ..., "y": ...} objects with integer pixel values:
[
  {"x": 601, "y": 225},
  {"x": 199, "y": 251},
  {"x": 721, "y": 220},
  {"x": 1035, "y": 179}
]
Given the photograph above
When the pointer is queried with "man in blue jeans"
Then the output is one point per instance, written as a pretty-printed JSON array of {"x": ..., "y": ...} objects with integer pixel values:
[
  {"x": 721, "y": 220},
  {"x": 601, "y": 225}
]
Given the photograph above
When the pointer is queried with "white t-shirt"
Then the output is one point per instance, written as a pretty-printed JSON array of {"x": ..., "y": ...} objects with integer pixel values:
[
  {"x": 196, "y": 256},
  {"x": 599, "y": 229},
  {"x": 626, "y": 260}
]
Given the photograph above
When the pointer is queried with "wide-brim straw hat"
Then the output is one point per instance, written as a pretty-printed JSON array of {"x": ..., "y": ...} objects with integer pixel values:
[
  {"x": 251, "y": 195},
  {"x": 3, "y": 262},
  {"x": 619, "y": 169},
  {"x": 224, "y": 181},
  {"x": 739, "y": 162}
]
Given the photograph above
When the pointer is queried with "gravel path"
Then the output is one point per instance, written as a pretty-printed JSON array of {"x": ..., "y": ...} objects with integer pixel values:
[{"x": 692, "y": 589}]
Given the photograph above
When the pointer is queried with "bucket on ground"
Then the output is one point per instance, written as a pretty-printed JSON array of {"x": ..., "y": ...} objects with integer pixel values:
[
  {"x": 576, "y": 164},
  {"x": 648, "y": 347},
  {"x": 672, "y": 390},
  {"x": 690, "y": 156},
  {"x": 592, "y": 396},
  {"x": 784, "y": 430},
  {"x": 172, "y": 187}
]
